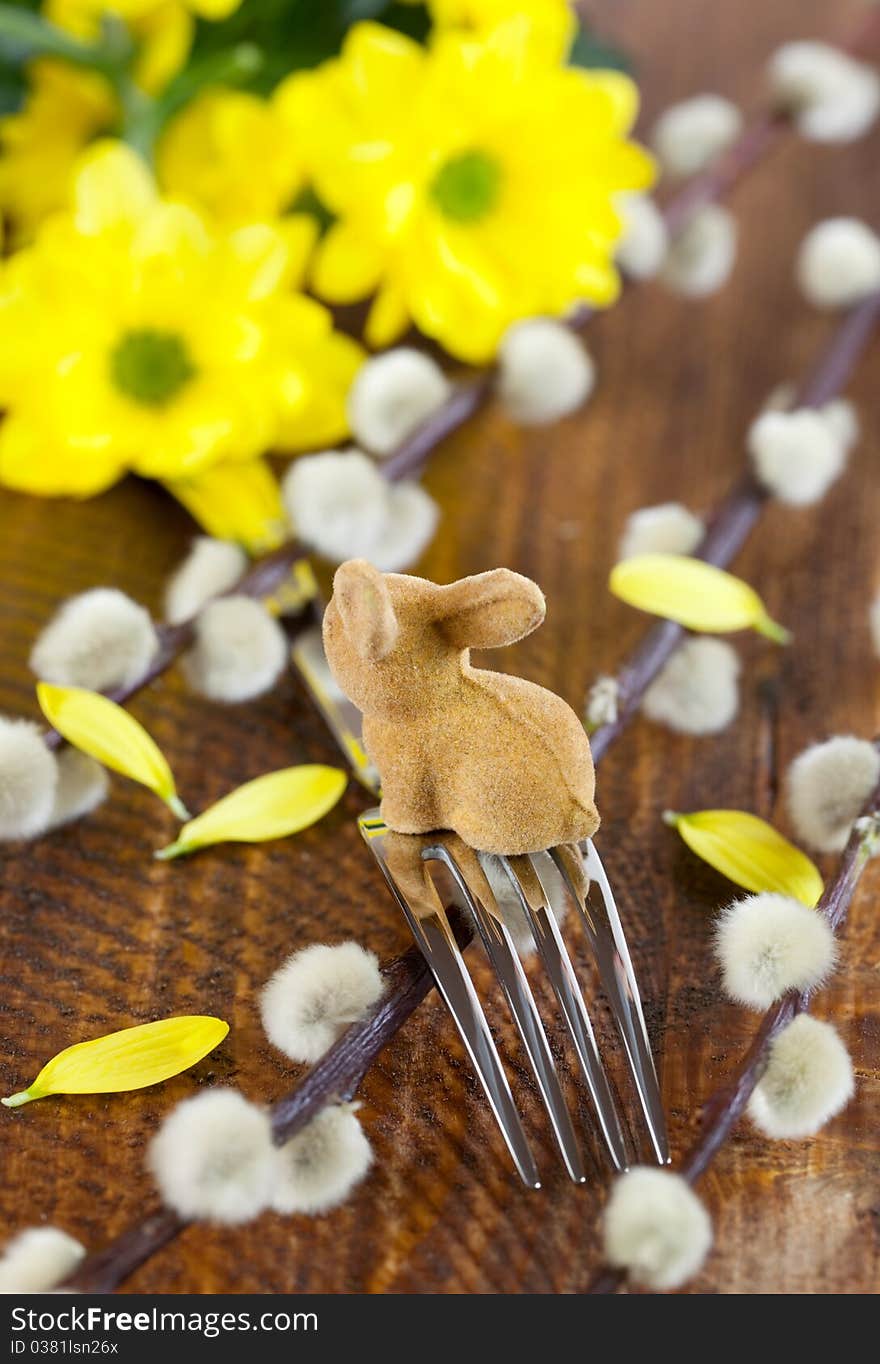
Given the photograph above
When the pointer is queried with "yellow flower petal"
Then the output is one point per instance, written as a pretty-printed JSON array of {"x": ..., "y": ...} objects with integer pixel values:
[
  {"x": 113, "y": 186},
  {"x": 130, "y": 1059},
  {"x": 347, "y": 266},
  {"x": 295, "y": 592},
  {"x": 98, "y": 726},
  {"x": 214, "y": 9},
  {"x": 165, "y": 37},
  {"x": 388, "y": 317},
  {"x": 697, "y": 595},
  {"x": 623, "y": 95},
  {"x": 749, "y": 852},
  {"x": 272, "y": 806},
  {"x": 239, "y": 502}
]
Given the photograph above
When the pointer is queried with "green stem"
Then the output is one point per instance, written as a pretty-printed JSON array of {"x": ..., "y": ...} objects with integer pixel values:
[
  {"x": 25, "y": 35},
  {"x": 31, "y": 36},
  {"x": 234, "y": 66},
  {"x": 139, "y": 122}
]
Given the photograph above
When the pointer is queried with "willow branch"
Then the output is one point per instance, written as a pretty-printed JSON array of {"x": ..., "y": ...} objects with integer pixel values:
[
  {"x": 727, "y": 1105},
  {"x": 738, "y": 514},
  {"x": 262, "y": 579},
  {"x": 339, "y": 1073},
  {"x": 762, "y": 135},
  {"x": 335, "y": 1078},
  {"x": 468, "y": 397}
]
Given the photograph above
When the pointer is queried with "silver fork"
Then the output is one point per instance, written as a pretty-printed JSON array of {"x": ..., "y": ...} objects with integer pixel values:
[
  {"x": 502, "y": 894},
  {"x": 526, "y": 896}
]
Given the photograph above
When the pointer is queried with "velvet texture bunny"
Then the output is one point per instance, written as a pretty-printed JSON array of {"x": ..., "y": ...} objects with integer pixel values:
[{"x": 502, "y": 762}]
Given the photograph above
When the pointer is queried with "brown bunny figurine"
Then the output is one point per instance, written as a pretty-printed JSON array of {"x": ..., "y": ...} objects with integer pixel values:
[{"x": 501, "y": 761}]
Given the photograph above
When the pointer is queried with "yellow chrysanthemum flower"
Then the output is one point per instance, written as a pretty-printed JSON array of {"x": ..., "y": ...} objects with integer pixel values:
[
  {"x": 163, "y": 29},
  {"x": 66, "y": 107},
  {"x": 135, "y": 336},
  {"x": 473, "y": 182},
  {"x": 555, "y": 18},
  {"x": 229, "y": 152}
]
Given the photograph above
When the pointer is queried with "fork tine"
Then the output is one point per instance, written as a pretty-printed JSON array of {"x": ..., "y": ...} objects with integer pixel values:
[
  {"x": 508, "y": 970},
  {"x": 583, "y": 872},
  {"x": 533, "y": 899},
  {"x": 430, "y": 928}
]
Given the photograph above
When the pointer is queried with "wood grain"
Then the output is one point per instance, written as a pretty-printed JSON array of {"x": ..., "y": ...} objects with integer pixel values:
[{"x": 94, "y": 935}]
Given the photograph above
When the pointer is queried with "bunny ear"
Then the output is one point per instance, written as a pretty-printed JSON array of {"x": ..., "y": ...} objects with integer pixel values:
[
  {"x": 363, "y": 601},
  {"x": 490, "y": 609}
]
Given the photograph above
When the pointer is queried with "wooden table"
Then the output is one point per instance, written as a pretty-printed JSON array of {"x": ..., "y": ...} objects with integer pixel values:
[{"x": 96, "y": 935}]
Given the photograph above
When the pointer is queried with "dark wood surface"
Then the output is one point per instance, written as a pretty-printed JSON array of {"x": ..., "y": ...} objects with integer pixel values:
[{"x": 95, "y": 935}]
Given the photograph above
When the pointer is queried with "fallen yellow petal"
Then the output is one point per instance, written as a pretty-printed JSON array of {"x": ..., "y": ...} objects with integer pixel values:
[
  {"x": 98, "y": 726},
  {"x": 272, "y": 806},
  {"x": 749, "y": 852},
  {"x": 130, "y": 1059},
  {"x": 695, "y": 594},
  {"x": 239, "y": 502}
]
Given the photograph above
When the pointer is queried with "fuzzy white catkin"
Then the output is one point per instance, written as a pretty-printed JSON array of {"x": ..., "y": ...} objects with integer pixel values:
[
  {"x": 697, "y": 691},
  {"x": 392, "y": 395},
  {"x": 808, "y": 1080},
  {"x": 602, "y": 699},
  {"x": 239, "y": 650},
  {"x": 769, "y": 944},
  {"x": 797, "y": 455},
  {"x": 318, "y": 1168},
  {"x": 833, "y": 97},
  {"x": 213, "y": 1158},
  {"x": 838, "y": 263},
  {"x": 655, "y": 1227},
  {"x": 702, "y": 255},
  {"x": 211, "y": 568},
  {"x": 340, "y": 504},
  {"x": 81, "y": 787},
  {"x": 843, "y": 419},
  {"x": 28, "y": 780},
  {"x": 668, "y": 528},
  {"x": 874, "y": 624},
  {"x": 641, "y": 249},
  {"x": 827, "y": 786},
  {"x": 314, "y": 996},
  {"x": 37, "y": 1259},
  {"x": 840, "y": 414},
  {"x": 100, "y": 640},
  {"x": 690, "y": 135},
  {"x": 544, "y": 371}
]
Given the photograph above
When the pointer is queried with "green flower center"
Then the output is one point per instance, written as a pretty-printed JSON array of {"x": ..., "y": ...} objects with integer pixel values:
[
  {"x": 466, "y": 186},
  {"x": 150, "y": 366}
]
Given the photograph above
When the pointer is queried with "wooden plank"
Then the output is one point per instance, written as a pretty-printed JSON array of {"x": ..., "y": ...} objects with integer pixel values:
[{"x": 94, "y": 935}]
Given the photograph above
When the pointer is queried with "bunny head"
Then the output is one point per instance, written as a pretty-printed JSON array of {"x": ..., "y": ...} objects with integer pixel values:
[{"x": 391, "y": 638}]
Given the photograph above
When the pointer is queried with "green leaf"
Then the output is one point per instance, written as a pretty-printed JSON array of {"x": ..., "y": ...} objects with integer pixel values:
[
  {"x": 307, "y": 201},
  {"x": 413, "y": 20},
  {"x": 353, "y": 11},
  {"x": 594, "y": 53},
  {"x": 13, "y": 88}
]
